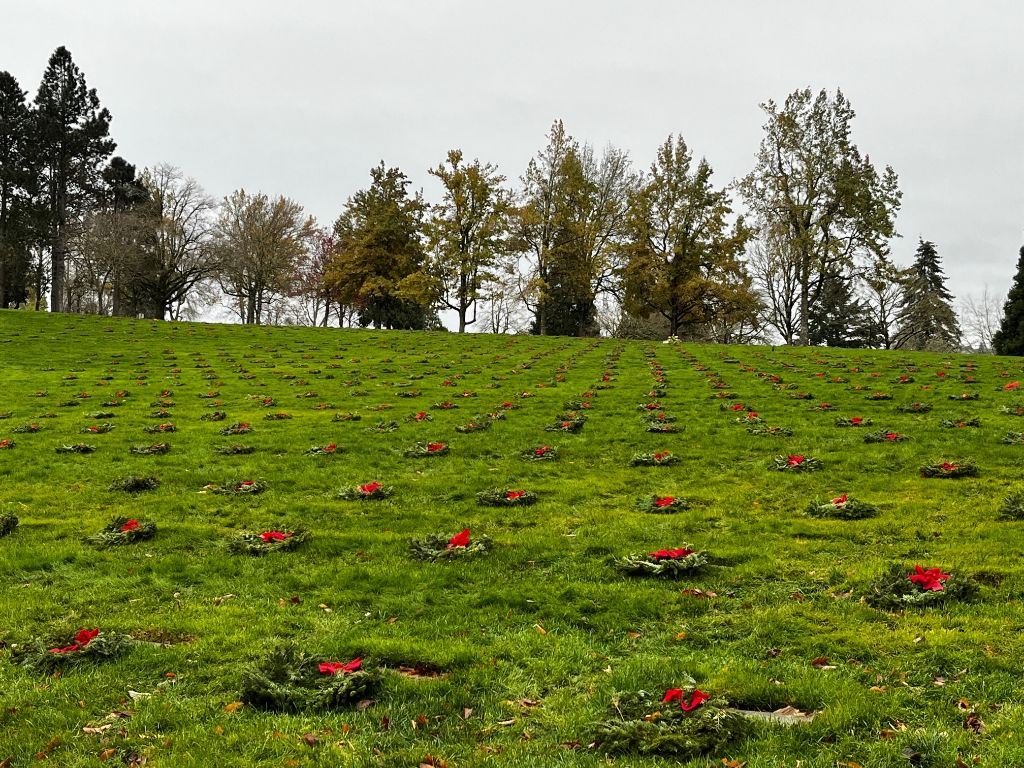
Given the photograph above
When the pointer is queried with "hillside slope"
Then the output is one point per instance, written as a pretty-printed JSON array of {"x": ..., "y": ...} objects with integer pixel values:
[{"x": 513, "y": 655}]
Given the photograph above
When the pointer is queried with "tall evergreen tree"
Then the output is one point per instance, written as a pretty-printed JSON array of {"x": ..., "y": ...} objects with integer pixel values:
[
  {"x": 927, "y": 319},
  {"x": 15, "y": 203},
  {"x": 839, "y": 318},
  {"x": 71, "y": 144},
  {"x": 1009, "y": 339}
]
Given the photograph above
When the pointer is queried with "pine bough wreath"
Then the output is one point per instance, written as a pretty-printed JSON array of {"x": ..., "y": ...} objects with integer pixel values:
[
  {"x": 885, "y": 437},
  {"x": 366, "y": 492},
  {"x": 662, "y": 505},
  {"x": 8, "y": 522},
  {"x": 7, "y": 444},
  {"x": 437, "y": 547},
  {"x": 85, "y": 646},
  {"x": 289, "y": 680},
  {"x": 646, "y": 723},
  {"x": 665, "y": 563},
  {"x": 960, "y": 423},
  {"x": 904, "y": 587},
  {"x": 1013, "y": 438},
  {"x": 324, "y": 450},
  {"x": 240, "y": 488},
  {"x": 264, "y": 543},
  {"x": 123, "y": 530},
  {"x": 540, "y": 453},
  {"x": 346, "y": 416},
  {"x": 914, "y": 408},
  {"x": 951, "y": 469},
  {"x": 75, "y": 448},
  {"x": 770, "y": 431},
  {"x": 842, "y": 508},
  {"x": 656, "y": 459},
  {"x": 159, "y": 429},
  {"x": 149, "y": 450},
  {"x": 507, "y": 497},
  {"x": 241, "y": 428},
  {"x": 795, "y": 462},
  {"x": 426, "y": 449},
  {"x": 1012, "y": 507},
  {"x": 134, "y": 484},
  {"x": 235, "y": 449},
  {"x": 97, "y": 429}
]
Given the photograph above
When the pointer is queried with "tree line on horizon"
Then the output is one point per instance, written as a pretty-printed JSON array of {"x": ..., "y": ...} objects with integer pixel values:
[{"x": 584, "y": 244}]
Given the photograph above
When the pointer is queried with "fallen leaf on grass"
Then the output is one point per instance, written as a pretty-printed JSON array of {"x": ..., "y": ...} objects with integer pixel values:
[
  {"x": 822, "y": 662},
  {"x": 106, "y": 754},
  {"x": 233, "y": 707},
  {"x": 51, "y": 745}
]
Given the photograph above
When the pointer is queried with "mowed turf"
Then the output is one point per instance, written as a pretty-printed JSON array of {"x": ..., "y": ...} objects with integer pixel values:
[{"x": 509, "y": 658}]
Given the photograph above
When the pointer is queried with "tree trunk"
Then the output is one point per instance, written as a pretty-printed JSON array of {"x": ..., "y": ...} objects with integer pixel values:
[
  {"x": 805, "y": 291},
  {"x": 57, "y": 266}
]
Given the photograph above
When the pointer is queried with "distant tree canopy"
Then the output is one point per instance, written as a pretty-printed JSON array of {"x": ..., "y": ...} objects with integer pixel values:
[{"x": 582, "y": 243}]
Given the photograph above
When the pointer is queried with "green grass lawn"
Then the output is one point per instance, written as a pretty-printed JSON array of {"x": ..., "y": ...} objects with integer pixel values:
[{"x": 509, "y": 657}]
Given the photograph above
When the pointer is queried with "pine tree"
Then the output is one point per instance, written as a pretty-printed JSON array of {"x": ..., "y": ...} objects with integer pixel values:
[
  {"x": 15, "y": 178},
  {"x": 1009, "y": 339},
  {"x": 71, "y": 144},
  {"x": 840, "y": 319},
  {"x": 927, "y": 319}
]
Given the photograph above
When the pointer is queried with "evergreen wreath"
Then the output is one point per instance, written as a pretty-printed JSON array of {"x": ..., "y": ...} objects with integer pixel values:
[
  {"x": 900, "y": 586},
  {"x": 665, "y": 563},
  {"x": 645, "y": 723},
  {"x": 366, "y": 492},
  {"x": 656, "y": 459},
  {"x": 289, "y": 680},
  {"x": 507, "y": 497},
  {"x": 240, "y": 488},
  {"x": 75, "y": 448},
  {"x": 662, "y": 505},
  {"x": 540, "y": 453},
  {"x": 265, "y": 542},
  {"x": 85, "y": 646},
  {"x": 8, "y": 522},
  {"x": 841, "y": 508},
  {"x": 437, "y": 547},
  {"x": 951, "y": 469},
  {"x": 426, "y": 449},
  {"x": 154, "y": 449},
  {"x": 123, "y": 530},
  {"x": 134, "y": 484}
]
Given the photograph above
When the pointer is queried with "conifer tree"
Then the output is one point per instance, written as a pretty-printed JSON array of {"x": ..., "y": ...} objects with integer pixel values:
[
  {"x": 71, "y": 144},
  {"x": 15, "y": 180},
  {"x": 927, "y": 319},
  {"x": 1009, "y": 339},
  {"x": 839, "y": 318}
]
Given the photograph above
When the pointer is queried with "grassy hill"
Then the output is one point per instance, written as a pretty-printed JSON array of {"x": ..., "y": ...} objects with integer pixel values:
[{"x": 511, "y": 656}]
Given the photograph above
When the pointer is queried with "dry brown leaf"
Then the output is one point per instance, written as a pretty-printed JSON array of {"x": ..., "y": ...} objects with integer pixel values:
[
  {"x": 106, "y": 754},
  {"x": 540, "y": 629},
  {"x": 233, "y": 707},
  {"x": 51, "y": 745},
  {"x": 310, "y": 739}
]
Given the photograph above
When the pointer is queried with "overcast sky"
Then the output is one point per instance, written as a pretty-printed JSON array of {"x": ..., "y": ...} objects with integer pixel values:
[{"x": 302, "y": 98}]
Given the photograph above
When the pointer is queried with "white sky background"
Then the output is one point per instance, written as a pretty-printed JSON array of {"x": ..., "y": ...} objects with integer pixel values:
[{"x": 302, "y": 98}]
